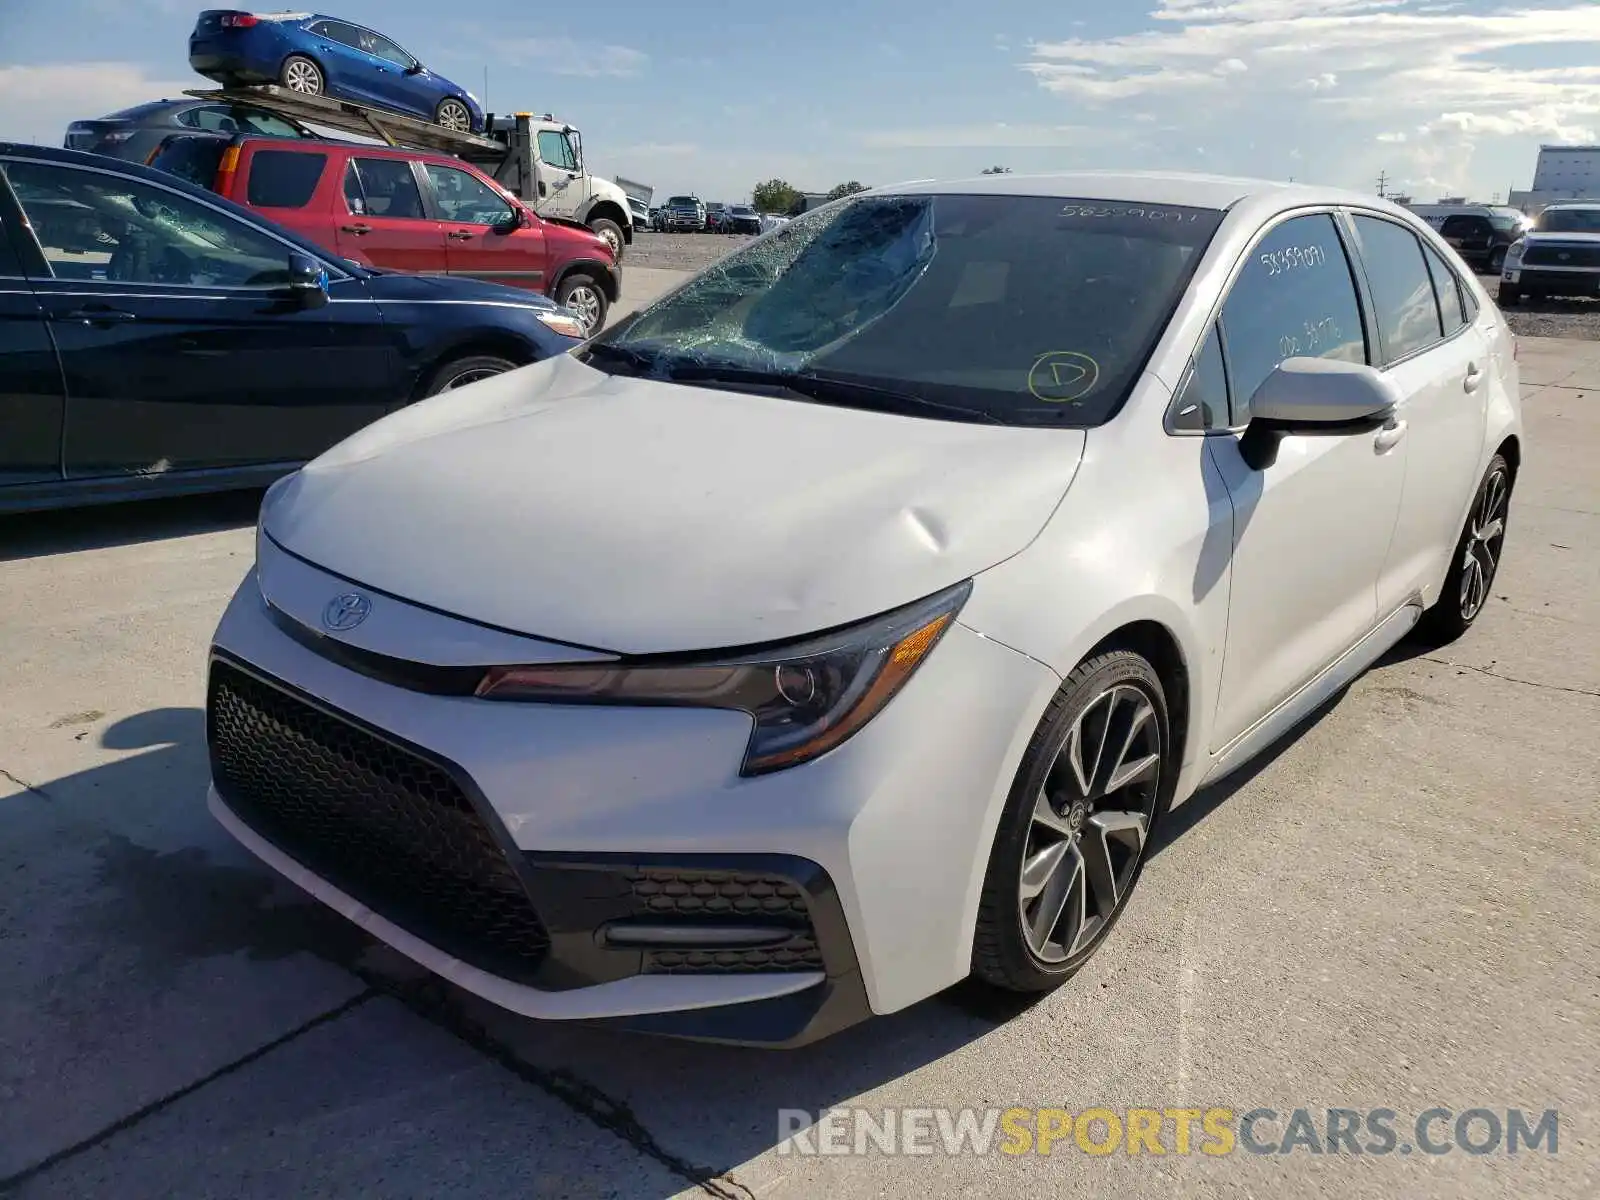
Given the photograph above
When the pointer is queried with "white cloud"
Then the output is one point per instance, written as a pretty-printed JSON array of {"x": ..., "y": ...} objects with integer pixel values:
[
  {"x": 37, "y": 103},
  {"x": 566, "y": 56},
  {"x": 1346, "y": 71},
  {"x": 1394, "y": 138}
]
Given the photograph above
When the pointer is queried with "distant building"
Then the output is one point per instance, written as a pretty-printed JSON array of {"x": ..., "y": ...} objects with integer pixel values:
[{"x": 1562, "y": 173}]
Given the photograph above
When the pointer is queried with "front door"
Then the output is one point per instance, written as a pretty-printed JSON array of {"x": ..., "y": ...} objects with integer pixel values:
[
  {"x": 180, "y": 347},
  {"x": 387, "y": 223},
  {"x": 561, "y": 191},
  {"x": 483, "y": 239},
  {"x": 1312, "y": 530}
]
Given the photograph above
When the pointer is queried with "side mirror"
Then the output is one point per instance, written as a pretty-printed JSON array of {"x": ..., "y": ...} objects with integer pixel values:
[
  {"x": 1315, "y": 396},
  {"x": 307, "y": 281},
  {"x": 415, "y": 68}
]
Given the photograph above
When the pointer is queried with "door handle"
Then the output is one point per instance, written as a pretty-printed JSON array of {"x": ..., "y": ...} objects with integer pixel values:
[
  {"x": 98, "y": 314},
  {"x": 358, "y": 230},
  {"x": 1389, "y": 436},
  {"x": 1474, "y": 378},
  {"x": 460, "y": 235}
]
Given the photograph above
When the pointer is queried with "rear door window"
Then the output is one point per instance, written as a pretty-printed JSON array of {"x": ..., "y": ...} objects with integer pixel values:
[
  {"x": 389, "y": 188},
  {"x": 1402, "y": 290},
  {"x": 283, "y": 178}
]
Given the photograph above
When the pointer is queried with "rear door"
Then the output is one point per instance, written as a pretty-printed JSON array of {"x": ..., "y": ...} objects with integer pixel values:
[
  {"x": 482, "y": 238},
  {"x": 32, "y": 402},
  {"x": 180, "y": 348},
  {"x": 386, "y": 222},
  {"x": 1442, "y": 364}
]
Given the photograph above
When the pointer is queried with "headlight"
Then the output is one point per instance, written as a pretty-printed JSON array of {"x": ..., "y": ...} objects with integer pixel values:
[
  {"x": 1516, "y": 252},
  {"x": 804, "y": 697},
  {"x": 564, "y": 322}
]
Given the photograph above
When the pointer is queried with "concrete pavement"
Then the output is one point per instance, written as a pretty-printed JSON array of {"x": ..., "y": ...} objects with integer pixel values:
[{"x": 1397, "y": 908}]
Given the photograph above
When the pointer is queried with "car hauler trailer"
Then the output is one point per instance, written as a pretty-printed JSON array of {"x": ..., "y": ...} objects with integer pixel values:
[{"x": 538, "y": 159}]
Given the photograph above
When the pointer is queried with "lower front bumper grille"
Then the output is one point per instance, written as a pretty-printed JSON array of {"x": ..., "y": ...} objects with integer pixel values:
[
  {"x": 726, "y": 899},
  {"x": 386, "y": 826}
]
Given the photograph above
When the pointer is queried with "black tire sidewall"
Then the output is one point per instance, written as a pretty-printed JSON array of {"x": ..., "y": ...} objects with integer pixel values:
[
  {"x": 459, "y": 366},
  {"x": 1443, "y": 622},
  {"x": 1000, "y": 952},
  {"x": 570, "y": 284},
  {"x": 322, "y": 76},
  {"x": 607, "y": 223}
]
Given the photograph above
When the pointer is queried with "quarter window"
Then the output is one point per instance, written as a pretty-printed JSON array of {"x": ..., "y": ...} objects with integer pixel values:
[
  {"x": 466, "y": 198},
  {"x": 1402, "y": 292},
  {"x": 283, "y": 178},
  {"x": 1295, "y": 298},
  {"x": 389, "y": 188},
  {"x": 93, "y": 226},
  {"x": 1448, "y": 289},
  {"x": 1203, "y": 402}
]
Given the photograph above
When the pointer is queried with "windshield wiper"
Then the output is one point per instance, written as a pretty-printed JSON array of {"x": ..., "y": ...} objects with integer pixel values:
[
  {"x": 639, "y": 360},
  {"x": 827, "y": 389}
]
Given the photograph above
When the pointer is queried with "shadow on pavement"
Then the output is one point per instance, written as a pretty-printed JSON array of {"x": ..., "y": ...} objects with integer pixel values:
[{"x": 63, "y": 531}]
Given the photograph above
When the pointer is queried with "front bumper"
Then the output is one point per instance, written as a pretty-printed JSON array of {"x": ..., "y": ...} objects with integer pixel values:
[
  {"x": 585, "y": 850},
  {"x": 1553, "y": 281}
]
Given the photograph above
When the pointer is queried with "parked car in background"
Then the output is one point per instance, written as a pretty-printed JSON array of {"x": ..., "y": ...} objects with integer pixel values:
[
  {"x": 1057, "y": 560},
  {"x": 716, "y": 217},
  {"x": 1558, "y": 256},
  {"x": 1480, "y": 234},
  {"x": 684, "y": 214},
  {"x": 134, "y": 132},
  {"x": 743, "y": 219},
  {"x": 403, "y": 210},
  {"x": 657, "y": 219},
  {"x": 156, "y": 338},
  {"x": 319, "y": 55}
]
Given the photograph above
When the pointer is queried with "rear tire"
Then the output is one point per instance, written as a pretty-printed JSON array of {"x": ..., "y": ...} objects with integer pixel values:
[
  {"x": 584, "y": 296},
  {"x": 1475, "y": 561},
  {"x": 612, "y": 232},
  {"x": 1070, "y": 847},
  {"x": 301, "y": 74},
  {"x": 460, "y": 372}
]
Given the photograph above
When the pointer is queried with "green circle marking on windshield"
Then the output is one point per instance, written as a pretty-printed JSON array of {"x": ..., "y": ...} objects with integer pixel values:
[{"x": 1063, "y": 376}]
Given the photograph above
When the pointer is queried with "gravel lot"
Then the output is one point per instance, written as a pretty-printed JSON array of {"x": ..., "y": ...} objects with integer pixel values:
[{"x": 681, "y": 251}]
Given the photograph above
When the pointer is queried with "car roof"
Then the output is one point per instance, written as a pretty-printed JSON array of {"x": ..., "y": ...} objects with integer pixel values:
[
  {"x": 1177, "y": 188},
  {"x": 1572, "y": 204}
]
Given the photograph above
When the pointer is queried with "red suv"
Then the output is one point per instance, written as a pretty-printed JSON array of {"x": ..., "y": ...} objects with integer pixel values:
[{"x": 402, "y": 210}]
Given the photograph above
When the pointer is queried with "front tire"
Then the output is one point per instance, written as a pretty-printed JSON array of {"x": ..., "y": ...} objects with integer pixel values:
[
  {"x": 1497, "y": 260},
  {"x": 1510, "y": 295},
  {"x": 458, "y": 373},
  {"x": 1476, "y": 561},
  {"x": 453, "y": 114},
  {"x": 612, "y": 232},
  {"x": 301, "y": 75},
  {"x": 583, "y": 296},
  {"x": 1071, "y": 842}
]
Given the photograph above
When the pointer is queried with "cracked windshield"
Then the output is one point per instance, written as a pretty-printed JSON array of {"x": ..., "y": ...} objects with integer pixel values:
[{"x": 1004, "y": 309}]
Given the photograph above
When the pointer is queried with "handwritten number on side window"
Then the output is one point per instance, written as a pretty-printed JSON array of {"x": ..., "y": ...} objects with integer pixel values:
[
  {"x": 1313, "y": 340},
  {"x": 1133, "y": 214},
  {"x": 1293, "y": 258}
]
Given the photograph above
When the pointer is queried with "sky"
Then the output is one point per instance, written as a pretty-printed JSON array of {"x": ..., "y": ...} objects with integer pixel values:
[{"x": 1440, "y": 96}]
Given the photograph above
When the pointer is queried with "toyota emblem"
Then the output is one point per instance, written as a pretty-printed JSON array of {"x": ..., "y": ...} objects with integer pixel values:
[{"x": 346, "y": 611}]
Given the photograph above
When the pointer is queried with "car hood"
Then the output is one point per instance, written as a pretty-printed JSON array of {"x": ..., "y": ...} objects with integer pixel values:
[
  {"x": 1571, "y": 239},
  {"x": 383, "y": 285},
  {"x": 640, "y": 517}
]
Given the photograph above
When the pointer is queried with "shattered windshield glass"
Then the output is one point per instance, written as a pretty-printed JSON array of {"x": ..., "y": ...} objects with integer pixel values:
[{"x": 1028, "y": 310}]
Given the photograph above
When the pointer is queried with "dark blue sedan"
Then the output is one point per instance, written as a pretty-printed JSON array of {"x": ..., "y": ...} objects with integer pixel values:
[
  {"x": 317, "y": 55},
  {"x": 157, "y": 339}
]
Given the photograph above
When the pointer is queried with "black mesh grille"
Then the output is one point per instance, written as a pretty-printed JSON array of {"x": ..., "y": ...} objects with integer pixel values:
[
  {"x": 727, "y": 898},
  {"x": 1562, "y": 256},
  {"x": 383, "y": 825}
]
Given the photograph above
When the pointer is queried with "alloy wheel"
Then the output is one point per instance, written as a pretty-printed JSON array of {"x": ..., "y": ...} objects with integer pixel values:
[
  {"x": 1089, "y": 823},
  {"x": 453, "y": 115},
  {"x": 585, "y": 301},
  {"x": 1486, "y": 534},
  {"x": 303, "y": 77},
  {"x": 473, "y": 375}
]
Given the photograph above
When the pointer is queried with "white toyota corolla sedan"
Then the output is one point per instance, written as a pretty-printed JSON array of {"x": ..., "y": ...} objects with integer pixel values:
[{"x": 847, "y": 622}]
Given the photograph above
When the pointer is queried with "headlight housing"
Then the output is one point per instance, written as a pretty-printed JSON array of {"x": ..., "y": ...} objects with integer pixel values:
[
  {"x": 805, "y": 698},
  {"x": 1517, "y": 250}
]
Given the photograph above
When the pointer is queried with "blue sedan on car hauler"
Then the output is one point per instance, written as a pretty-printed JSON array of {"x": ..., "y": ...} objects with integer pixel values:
[{"x": 318, "y": 55}]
